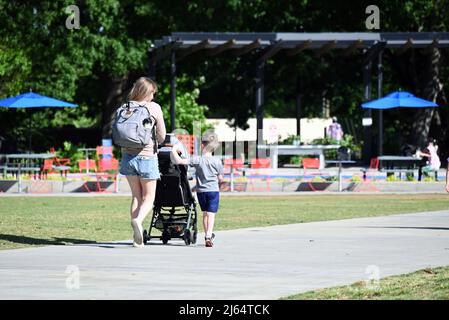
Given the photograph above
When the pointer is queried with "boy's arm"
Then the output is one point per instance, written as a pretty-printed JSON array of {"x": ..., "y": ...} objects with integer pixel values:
[{"x": 176, "y": 158}]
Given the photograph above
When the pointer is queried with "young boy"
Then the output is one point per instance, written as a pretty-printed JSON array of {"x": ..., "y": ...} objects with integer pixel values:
[{"x": 209, "y": 175}]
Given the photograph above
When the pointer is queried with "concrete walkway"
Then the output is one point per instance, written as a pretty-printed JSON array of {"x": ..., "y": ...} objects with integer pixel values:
[{"x": 252, "y": 263}]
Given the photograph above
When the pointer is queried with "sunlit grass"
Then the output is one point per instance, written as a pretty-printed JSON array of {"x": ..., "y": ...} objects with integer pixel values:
[{"x": 29, "y": 221}]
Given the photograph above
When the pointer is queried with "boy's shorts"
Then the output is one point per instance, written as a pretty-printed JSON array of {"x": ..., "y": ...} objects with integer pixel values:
[{"x": 209, "y": 201}]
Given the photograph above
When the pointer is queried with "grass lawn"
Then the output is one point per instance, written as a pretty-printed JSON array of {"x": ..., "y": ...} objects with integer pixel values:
[
  {"x": 432, "y": 284},
  {"x": 33, "y": 221}
]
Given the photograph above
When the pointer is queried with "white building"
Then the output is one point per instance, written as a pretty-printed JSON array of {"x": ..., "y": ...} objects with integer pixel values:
[{"x": 274, "y": 129}]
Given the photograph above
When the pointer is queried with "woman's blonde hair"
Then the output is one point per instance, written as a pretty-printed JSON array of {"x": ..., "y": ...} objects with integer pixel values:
[{"x": 142, "y": 89}]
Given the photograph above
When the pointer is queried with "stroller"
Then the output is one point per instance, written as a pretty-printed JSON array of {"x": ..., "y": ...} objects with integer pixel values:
[{"x": 173, "y": 195}]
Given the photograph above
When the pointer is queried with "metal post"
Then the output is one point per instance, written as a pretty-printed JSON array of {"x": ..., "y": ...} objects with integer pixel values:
[
  {"x": 232, "y": 175},
  {"x": 298, "y": 106},
  {"x": 172, "y": 89},
  {"x": 18, "y": 177},
  {"x": 379, "y": 95},
  {"x": 367, "y": 114},
  {"x": 259, "y": 103},
  {"x": 152, "y": 64}
]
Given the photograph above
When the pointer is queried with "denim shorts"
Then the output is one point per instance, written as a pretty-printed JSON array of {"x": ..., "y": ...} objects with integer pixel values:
[
  {"x": 143, "y": 166},
  {"x": 209, "y": 201}
]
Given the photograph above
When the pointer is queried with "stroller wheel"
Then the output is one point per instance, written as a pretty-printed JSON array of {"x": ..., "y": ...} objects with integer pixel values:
[
  {"x": 165, "y": 237},
  {"x": 187, "y": 236},
  {"x": 195, "y": 232},
  {"x": 145, "y": 237}
]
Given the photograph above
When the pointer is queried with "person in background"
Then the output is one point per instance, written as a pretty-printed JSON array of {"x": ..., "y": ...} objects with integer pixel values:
[
  {"x": 334, "y": 131},
  {"x": 209, "y": 176},
  {"x": 433, "y": 163}
]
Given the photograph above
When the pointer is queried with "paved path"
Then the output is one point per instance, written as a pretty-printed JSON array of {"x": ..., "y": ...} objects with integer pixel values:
[{"x": 252, "y": 263}]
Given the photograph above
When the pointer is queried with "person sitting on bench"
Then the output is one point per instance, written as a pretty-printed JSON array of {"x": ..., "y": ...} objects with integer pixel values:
[{"x": 433, "y": 163}]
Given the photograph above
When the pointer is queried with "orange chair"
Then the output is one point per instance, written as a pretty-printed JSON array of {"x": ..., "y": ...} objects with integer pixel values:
[
  {"x": 309, "y": 176},
  {"x": 369, "y": 174},
  {"x": 59, "y": 161},
  {"x": 106, "y": 164},
  {"x": 188, "y": 140},
  {"x": 259, "y": 163},
  {"x": 104, "y": 150},
  {"x": 87, "y": 164},
  {"x": 235, "y": 163},
  {"x": 47, "y": 167}
]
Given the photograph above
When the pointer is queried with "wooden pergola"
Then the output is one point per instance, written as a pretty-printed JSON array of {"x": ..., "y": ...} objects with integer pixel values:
[{"x": 179, "y": 45}]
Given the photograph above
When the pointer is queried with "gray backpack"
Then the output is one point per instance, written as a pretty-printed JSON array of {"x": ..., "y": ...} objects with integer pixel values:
[{"x": 134, "y": 127}]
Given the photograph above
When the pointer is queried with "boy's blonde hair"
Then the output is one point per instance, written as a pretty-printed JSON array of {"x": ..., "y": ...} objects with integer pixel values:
[
  {"x": 142, "y": 89},
  {"x": 210, "y": 141}
]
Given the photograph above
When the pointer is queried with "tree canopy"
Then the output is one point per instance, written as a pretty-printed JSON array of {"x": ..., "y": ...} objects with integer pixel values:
[{"x": 95, "y": 65}]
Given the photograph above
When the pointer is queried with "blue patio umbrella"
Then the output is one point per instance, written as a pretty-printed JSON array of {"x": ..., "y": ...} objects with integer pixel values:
[
  {"x": 397, "y": 99},
  {"x": 34, "y": 100}
]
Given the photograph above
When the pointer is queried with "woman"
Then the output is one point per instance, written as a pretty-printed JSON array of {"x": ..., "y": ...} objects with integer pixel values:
[{"x": 140, "y": 165}]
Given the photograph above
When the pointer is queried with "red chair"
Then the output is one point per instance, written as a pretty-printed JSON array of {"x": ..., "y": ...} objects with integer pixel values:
[
  {"x": 104, "y": 165},
  {"x": 59, "y": 161},
  {"x": 87, "y": 164},
  {"x": 369, "y": 174},
  {"x": 236, "y": 164},
  {"x": 47, "y": 167},
  {"x": 107, "y": 164},
  {"x": 309, "y": 176},
  {"x": 188, "y": 140},
  {"x": 104, "y": 150},
  {"x": 259, "y": 163}
]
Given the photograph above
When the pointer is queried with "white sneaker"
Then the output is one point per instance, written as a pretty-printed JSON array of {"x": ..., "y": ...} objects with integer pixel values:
[
  {"x": 138, "y": 234},
  {"x": 136, "y": 245}
]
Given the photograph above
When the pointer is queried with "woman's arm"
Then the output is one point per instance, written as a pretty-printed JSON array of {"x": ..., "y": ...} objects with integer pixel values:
[
  {"x": 176, "y": 158},
  {"x": 161, "y": 131}
]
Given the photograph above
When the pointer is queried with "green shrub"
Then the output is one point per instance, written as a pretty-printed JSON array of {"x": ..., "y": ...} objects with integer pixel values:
[
  {"x": 392, "y": 178},
  {"x": 356, "y": 179}
]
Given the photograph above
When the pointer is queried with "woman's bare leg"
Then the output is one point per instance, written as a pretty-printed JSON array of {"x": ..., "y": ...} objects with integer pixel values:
[
  {"x": 136, "y": 191},
  {"x": 148, "y": 194},
  {"x": 136, "y": 204}
]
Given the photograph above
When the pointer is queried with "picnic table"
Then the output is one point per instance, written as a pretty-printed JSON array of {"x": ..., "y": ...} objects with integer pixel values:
[
  {"x": 25, "y": 162},
  {"x": 276, "y": 150},
  {"x": 399, "y": 164}
]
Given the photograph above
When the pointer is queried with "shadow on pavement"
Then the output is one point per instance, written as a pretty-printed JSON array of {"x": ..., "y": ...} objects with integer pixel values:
[
  {"x": 38, "y": 241},
  {"x": 423, "y": 228}
]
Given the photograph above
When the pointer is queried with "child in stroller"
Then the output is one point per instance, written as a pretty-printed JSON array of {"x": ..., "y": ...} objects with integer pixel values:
[{"x": 173, "y": 195}]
